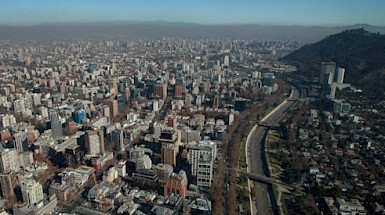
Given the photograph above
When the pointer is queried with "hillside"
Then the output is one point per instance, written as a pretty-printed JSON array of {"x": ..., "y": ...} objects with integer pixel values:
[{"x": 362, "y": 54}]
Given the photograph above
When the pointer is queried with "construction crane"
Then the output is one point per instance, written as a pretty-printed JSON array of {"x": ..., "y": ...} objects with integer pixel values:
[{"x": 99, "y": 193}]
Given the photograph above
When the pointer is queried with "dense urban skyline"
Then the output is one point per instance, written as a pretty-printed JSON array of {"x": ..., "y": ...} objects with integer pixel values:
[{"x": 278, "y": 12}]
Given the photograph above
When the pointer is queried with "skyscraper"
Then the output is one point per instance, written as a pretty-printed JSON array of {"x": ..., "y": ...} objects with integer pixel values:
[
  {"x": 117, "y": 139},
  {"x": 340, "y": 75},
  {"x": 57, "y": 130},
  {"x": 327, "y": 73},
  {"x": 7, "y": 182}
]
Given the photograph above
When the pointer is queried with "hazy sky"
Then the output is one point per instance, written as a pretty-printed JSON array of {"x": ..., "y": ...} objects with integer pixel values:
[{"x": 275, "y": 12}]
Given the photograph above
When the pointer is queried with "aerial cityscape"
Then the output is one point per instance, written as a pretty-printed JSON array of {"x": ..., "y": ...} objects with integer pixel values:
[{"x": 167, "y": 108}]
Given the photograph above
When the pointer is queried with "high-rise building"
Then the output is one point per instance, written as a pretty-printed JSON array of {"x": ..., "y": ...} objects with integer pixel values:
[
  {"x": 9, "y": 160},
  {"x": 169, "y": 153},
  {"x": 226, "y": 61},
  {"x": 117, "y": 139},
  {"x": 95, "y": 142},
  {"x": 57, "y": 130},
  {"x": 32, "y": 191},
  {"x": 115, "y": 87},
  {"x": 340, "y": 75},
  {"x": 327, "y": 73},
  {"x": 170, "y": 140},
  {"x": 160, "y": 91},
  {"x": 204, "y": 172},
  {"x": 21, "y": 142},
  {"x": 7, "y": 182},
  {"x": 127, "y": 93},
  {"x": 196, "y": 152},
  {"x": 115, "y": 108}
]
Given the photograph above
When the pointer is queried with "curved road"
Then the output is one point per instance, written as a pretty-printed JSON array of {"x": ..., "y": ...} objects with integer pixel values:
[{"x": 255, "y": 155}]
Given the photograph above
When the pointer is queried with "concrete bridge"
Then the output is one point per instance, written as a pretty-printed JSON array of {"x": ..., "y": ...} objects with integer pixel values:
[{"x": 267, "y": 180}]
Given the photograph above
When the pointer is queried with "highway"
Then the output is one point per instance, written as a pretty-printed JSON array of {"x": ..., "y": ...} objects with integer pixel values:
[{"x": 256, "y": 162}]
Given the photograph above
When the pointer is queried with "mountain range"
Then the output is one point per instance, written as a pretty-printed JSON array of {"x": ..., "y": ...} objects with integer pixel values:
[{"x": 123, "y": 29}]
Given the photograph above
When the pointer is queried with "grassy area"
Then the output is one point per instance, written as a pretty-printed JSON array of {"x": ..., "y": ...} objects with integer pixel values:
[{"x": 275, "y": 169}]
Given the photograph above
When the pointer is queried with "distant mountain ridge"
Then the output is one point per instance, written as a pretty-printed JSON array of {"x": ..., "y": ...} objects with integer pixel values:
[
  {"x": 362, "y": 54},
  {"x": 117, "y": 22},
  {"x": 128, "y": 29}
]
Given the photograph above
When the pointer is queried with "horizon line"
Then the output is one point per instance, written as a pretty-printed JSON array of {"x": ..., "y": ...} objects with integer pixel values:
[{"x": 154, "y": 22}]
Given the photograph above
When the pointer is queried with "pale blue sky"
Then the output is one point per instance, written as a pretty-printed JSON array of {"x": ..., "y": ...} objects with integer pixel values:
[{"x": 270, "y": 12}]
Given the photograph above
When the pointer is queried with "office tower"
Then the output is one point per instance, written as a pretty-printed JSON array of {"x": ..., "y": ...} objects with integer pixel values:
[
  {"x": 169, "y": 152},
  {"x": 9, "y": 160},
  {"x": 127, "y": 94},
  {"x": 175, "y": 184},
  {"x": 57, "y": 130},
  {"x": 7, "y": 182},
  {"x": 157, "y": 130},
  {"x": 95, "y": 142},
  {"x": 21, "y": 142},
  {"x": 196, "y": 152},
  {"x": 340, "y": 75},
  {"x": 268, "y": 79},
  {"x": 205, "y": 171},
  {"x": 115, "y": 87},
  {"x": 327, "y": 73},
  {"x": 226, "y": 61},
  {"x": 101, "y": 142},
  {"x": 115, "y": 108},
  {"x": 32, "y": 191},
  {"x": 160, "y": 91},
  {"x": 170, "y": 140},
  {"x": 79, "y": 115},
  {"x": 117, "y": 139}
]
